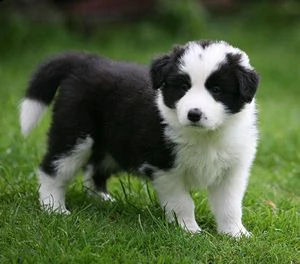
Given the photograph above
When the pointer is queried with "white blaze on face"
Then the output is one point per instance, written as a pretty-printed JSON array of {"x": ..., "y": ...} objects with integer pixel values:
[
  {"x": 213, "y": 113},
  {"x": 199, "y": 63}
]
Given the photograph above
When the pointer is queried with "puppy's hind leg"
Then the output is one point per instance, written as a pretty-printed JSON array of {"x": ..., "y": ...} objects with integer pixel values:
[
  {"x": 95, "y": 180},
  {"x": 57, "y": 170}
]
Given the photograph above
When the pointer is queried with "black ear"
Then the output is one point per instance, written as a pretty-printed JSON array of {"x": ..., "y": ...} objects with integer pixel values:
[
  {"x": 158, "y": 70},
  {"x": 248, "y": 83}
]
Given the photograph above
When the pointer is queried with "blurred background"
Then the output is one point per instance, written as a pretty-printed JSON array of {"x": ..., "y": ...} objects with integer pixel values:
[{"x": 30, "y": 24}]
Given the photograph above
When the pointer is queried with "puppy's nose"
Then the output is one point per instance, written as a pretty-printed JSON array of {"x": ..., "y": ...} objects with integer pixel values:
[{"x": 194, "y": 115}]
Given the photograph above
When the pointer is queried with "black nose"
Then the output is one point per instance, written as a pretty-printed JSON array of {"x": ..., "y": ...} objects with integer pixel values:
[{"x": 194, "y": 115}]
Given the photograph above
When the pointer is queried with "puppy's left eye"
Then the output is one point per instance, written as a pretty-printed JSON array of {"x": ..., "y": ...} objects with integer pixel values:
[
  {"x": 184, "y": 86},
  {"x": 216, "y": 90}
]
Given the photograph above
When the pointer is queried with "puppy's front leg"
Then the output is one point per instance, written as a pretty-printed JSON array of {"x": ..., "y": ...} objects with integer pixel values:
[
  {"x": 175, "y": 199},
  {"x": 225, "y": 198}
]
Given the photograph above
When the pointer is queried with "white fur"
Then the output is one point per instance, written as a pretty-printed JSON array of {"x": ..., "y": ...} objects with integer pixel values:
[
  {"x": 215, "y": 160},
  {"x": 213, "y": 113},
  {"x": 31, "y": 112},
  {"x": 52, "y": 189},
  {"x": 210, "y": 58},
  {"x": 52, "y": 193},
  {"x": 69, "y": 164},
  {"x": 175, "y": 199},
  {"x": 215, "y": 155},
  {"x": 211, "y": 153}
]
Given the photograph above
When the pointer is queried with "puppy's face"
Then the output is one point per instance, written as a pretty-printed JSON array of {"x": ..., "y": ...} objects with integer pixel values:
[{"x": 202, "y": 83}]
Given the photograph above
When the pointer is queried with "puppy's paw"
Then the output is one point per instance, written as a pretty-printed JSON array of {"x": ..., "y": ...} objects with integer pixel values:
[
  {"x": 190, "y": 226},
  {"x": 236, "y": 232},
  {"x": 106, "y": 196},
  {"x": 49, "y": 208},
  {"x": 63, "y": 211}
]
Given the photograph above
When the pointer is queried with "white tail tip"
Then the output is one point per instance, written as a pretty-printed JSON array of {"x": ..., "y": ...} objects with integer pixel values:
[{"x": 31, "y": 112}]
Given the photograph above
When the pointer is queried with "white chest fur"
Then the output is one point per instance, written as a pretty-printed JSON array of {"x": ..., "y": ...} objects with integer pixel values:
[
  {"x": 202, "y": 157},
  {"x": 203, "y": 163}
]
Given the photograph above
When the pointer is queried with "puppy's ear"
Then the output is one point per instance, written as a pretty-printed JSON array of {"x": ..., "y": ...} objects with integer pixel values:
[
  {"x": 248, "y": 83},
  {"x": 158, "y": 70}
]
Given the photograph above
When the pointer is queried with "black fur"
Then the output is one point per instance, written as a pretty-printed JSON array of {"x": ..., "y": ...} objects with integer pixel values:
[
  {"x": 164, "y": 65},
  {"x": 175, "y": 86},
  {"x": 165, "y": 75},
  {"x": 87, "y": 104},
  {"x": 205, "y": 43},
  {"x": 232, "y": 85},
  {"x": 49, "y": 75}
]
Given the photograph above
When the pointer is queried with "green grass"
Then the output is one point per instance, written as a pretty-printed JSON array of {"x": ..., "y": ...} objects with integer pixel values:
[{"x": 133, "y": 229}]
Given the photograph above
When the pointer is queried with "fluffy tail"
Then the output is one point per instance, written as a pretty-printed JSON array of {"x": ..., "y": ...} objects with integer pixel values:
[{"x": 43, "y": 86}]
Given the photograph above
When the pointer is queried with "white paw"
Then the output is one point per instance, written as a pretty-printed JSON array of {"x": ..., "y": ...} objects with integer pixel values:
[
  {"x": 58, "y": 209},
  {"x": 103, "y": 195},
  {"x": 236, "y": 231},
  {"x": 106, "y": 197},
  {"x": 189, "y": 225},
  {"x": 63, "y": 211},
  {"x": 192, "y": 228}
]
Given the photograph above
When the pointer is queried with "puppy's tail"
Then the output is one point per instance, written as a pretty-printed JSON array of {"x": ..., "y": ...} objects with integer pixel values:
[{"x": 43, "y": 86}]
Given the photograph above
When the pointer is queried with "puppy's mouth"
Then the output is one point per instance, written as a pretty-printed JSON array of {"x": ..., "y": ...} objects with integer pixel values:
[
  {"x": 201, "y": 127},
  {"x": 196, "y": 125}
]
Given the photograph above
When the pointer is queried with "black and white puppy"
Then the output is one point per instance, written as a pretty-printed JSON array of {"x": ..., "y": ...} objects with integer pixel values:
[{"x": 188, "y": 122}]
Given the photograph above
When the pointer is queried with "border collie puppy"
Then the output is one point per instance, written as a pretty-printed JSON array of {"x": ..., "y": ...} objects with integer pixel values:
[{"x": 187, "y": 122}]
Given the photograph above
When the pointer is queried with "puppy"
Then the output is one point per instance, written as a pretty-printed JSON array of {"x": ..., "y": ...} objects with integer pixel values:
[{"x": 187, "y": 122}]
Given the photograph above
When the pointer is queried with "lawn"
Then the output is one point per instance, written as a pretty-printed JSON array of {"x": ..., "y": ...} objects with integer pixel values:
[{"x": 133, "y": 228}]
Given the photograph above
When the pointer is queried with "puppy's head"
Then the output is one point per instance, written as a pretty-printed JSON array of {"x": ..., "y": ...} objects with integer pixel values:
[{"x": 202, "y": 83}]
